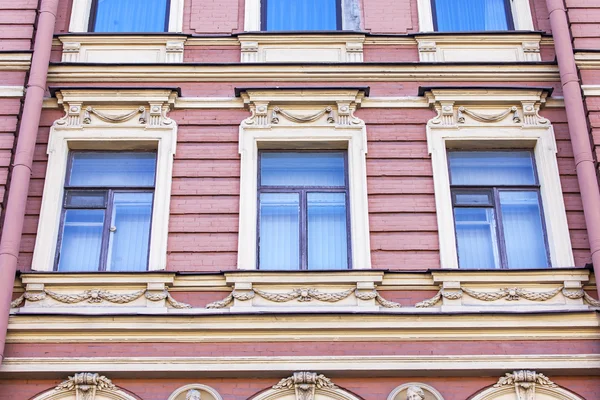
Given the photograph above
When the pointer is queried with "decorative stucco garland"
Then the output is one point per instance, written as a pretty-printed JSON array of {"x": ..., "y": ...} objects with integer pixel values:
[{"x": 98, "y": 296}]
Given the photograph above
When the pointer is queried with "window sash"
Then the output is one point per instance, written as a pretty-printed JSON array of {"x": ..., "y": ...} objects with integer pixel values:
[
  {"x": 109, "y": 212},
  {"x": 510, "y": 26},
  {"x": 460, "y": 193},
  {"x": 303, "y": 192},
  {"x": 265, "y": 17}
]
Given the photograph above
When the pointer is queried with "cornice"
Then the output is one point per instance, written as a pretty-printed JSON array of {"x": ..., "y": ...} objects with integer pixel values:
[
  {"x": 346, "y": 72},
  {"x": 15, "y": 61},
  {"x": 272, "y": 366},
  {"x": 12, "y": 91},
  {"x": 587, "y": 59},
  {"x": 224, "y": 326}
]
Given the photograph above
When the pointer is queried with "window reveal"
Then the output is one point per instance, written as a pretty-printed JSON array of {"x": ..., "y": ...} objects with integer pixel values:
[
  {"x": 107, "y": 211},
  {"x": 303, "y": 211},
  {"x": 497, "y": 210}
]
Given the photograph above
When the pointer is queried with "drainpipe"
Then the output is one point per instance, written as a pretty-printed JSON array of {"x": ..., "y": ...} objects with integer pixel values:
[
  {"x": 21, "y": 172},
  {"x": 576, "y": 118}
]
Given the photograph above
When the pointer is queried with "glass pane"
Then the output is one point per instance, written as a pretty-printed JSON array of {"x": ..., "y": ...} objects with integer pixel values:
[
  {"x": 81, "y": 240},
  {"x": 475, "y": 199},
  {"x": 491, "y": 168},
  {"x": 128, "y": 245},
  {"x": 279, "y": 239},
  {"x": 523, "y": 232},
  {"x": 470, "y": 15},
  {"x": 131, "y": 16},
  {"x": 86, "y": 199},
  {"x": 476, "y": 238},
  {"x": 327, "y": 231},
  {"x": 113, "y": 169},
  {"x": 302, "y": 169},
  {"x": 301, "y": 15}
]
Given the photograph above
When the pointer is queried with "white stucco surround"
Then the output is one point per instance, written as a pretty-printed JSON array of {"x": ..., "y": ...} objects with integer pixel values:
[
  {"x": 496, "y": 118},
  {"x": 316, "y": 119},
  {"x": 118, "y": 120},
  {"x": 521, "y": 13},
  {"x": 80, "y": 16}
]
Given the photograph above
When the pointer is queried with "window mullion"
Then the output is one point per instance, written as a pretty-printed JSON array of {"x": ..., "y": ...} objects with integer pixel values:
[
  {"x": 106, "y": 231},
  {"x": 500, "y": 230}
]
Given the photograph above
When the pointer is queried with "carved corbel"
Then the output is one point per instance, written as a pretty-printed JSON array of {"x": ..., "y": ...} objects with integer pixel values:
[
  {"x": 71, "y": 51},
  {"x": 428, "y": 51},
  {"x": 305, "y": 384},
  {"x": 174, "y": 52},
  {"x": 249, "y": 51},
  {"x": 445, "y": 115},
  {"x": 86, "y": 385},
  {"x": 354, "y": 52},
  {"x": 72, "y": 117},
  {"x": 531, "y": 51},
  {"x": 531, "y": 116}
]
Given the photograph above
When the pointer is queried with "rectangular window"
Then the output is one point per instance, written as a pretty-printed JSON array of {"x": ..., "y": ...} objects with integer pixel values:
[
  {"x": 129, "y": 16},
  {"x": 471, "y": 15},
  {"x": 497, "y": 210},
  {"x": 107, "y": 211},
  {"x": 301, "y": 15},
  {"x": 303, "y": 211}
]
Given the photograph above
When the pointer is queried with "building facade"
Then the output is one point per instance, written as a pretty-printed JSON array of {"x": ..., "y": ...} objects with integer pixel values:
[{"x": 299, "y": 199}]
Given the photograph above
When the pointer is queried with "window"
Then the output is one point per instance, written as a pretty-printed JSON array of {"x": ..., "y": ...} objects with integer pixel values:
[
  {"x": 303, "y": 213},
  {"x": 301, "y": 15},
  {"x": 129, "y": 16},
  {"x": 471, "y": 15},
  {"x": 497, "y": 210},
  {"x": 107, "y": 210}
]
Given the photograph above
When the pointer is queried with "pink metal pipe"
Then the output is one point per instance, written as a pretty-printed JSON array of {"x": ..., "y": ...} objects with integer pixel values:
[
  {"x": 576, "y": 118},
  {"x": 21, "y": 173}
]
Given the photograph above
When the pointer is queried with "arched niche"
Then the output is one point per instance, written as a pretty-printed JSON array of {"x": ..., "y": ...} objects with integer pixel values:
[
  {"x": 401, "y": 392},
  {"x": 86, "y": 386},
  {"x": 191, "y": 392},
  {"x": 525, "y": 385},
  {"x": 305, "y": 386}
]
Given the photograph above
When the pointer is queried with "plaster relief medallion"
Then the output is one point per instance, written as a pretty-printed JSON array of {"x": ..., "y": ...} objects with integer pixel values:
[
  {"x": 415, "y": 391},
  {"x": 195, "y": 391}
]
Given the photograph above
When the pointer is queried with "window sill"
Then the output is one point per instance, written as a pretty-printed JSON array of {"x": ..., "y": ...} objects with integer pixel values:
[
  {"x": 479, "y": 46},
  {"x": 302, "y": 47},
  {"x": 122, "y": 48}
]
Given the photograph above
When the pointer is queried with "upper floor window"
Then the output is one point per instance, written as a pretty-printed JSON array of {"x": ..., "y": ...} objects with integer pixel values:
[
  {"x": 303, "y": 215},
  {"x": 301, "y": 15},
  {"x": 471, "y": 15},
  {"x": 129, "y": 16},
  {"x": 497, "y": 210},
  {"x": 107, "y": 210}
]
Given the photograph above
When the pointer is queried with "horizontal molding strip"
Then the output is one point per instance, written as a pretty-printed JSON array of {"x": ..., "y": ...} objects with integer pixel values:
[
  {"x": 370, "y": 102},
  {"x": 275, "y": 365},
  {"x": 364, "y": 73},
  {"x": 281, "y": 327},
  {"x": 12, "y": 91}
]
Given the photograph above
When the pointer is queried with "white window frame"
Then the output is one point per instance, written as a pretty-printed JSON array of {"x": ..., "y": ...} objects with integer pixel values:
[
  {"x": 530, "y": 132},
  {"x": 73, "y": 131},
  {"x": 81, "y": 9},
  {"x": 347, "y": 132},
  {"x": 350, "y": 15},
  {"x": 520, "y": 9}
]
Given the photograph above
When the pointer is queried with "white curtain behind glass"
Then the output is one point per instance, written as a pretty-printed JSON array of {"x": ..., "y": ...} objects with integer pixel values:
[
  {"x": 470, "y": 15},
  {"x": 131, "y": 16}
]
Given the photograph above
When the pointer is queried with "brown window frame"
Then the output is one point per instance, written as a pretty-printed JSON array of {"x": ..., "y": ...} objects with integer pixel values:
[
  {"x": 493, "y": 192},
  {"x": 109, "y": 192},
  {"x": 303, "y": 214}
]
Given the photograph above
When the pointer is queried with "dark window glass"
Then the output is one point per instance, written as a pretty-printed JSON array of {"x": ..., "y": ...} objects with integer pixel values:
[
  {"x": 303, "y": 211},
  {"x": 497, "y": 210},
  {"x": 107, "y": 211},
  {"x": 301, "y": 15},
  {"x": 129, "y": 16},
  {"x": 471, "y": 15}
]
